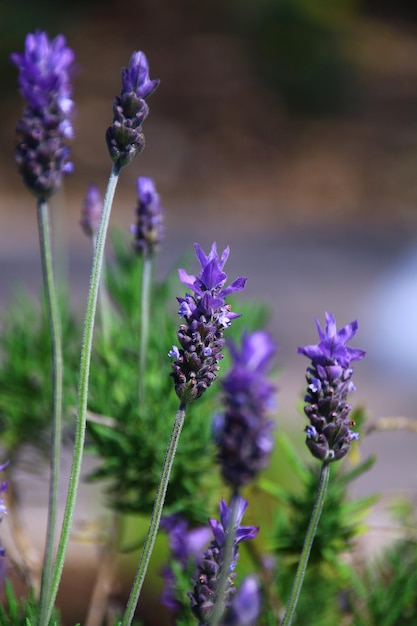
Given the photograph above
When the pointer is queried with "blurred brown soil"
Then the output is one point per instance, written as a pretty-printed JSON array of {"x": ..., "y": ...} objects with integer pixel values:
[{"x": 215, "y": 135}]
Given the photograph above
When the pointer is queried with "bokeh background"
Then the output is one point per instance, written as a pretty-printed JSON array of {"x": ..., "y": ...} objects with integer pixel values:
[{"x": 284, "y": 128}]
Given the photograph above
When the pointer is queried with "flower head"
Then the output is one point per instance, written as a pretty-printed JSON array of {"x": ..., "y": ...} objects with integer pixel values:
[
  {"x": 328, "y": 384},
  {"x": 206, "y": 315},
  {"x": 91, "y": 211},
  {"x": 149, "y": 229},
  {"x": 42, "y": 154},
  {"x": 204, "y": 594},
  {"x": 242, "y": 433},
  {"x": 124, "y": 137}
]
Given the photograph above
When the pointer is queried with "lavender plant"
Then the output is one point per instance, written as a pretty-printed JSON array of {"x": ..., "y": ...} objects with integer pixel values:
[
  {"x": 123, "y": 404},
  {"x": 329, "y": 434},
  {"x": 42, "y": 157}
]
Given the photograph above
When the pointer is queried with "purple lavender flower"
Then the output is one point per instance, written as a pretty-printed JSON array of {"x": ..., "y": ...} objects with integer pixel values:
[
  {"x": 149, "y": 229},
  {"x": 3, "y": 511},
  {"x": 246, "y": 605},
  {"x": 328, "y": 384},
  {"x": 206, "y": 315},
  {"x": 242, "y": 433},
  {"x": 124, "y": 137},
  {"x": 42, "y": 154},
  {"x": 185, "y": 546},
  {"x": 91, "y": 211},
  {"x": 205, "y": 581}
]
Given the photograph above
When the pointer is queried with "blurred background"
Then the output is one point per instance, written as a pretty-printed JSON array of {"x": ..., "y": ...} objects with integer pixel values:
[{"x": 286, "y": 129}]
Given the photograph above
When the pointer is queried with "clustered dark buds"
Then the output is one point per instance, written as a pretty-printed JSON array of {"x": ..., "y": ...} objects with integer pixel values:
[
  {"x": 149, "y": 228},
  {"x": 42, "y": 154},
  {"x": 242, "y": 433},
  {"x": 328, "y": 384},
  {"x": 205, "y": 582},
  {"x": 91, "y": 211},
  {"x": 124, "y": 137},
  {"x": 206, "y": 315}
]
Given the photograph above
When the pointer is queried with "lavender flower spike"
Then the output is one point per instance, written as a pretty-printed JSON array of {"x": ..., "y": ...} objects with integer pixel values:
[
  {"x": 124, "y": 137},
  {"x": 206, "y": 315},
  {"x": 91, "y": 211},
  {"x": 149, "y": 229},
  {"x": 205, "y": 581},
  {"x": 42, "y": 154},
  {"x": 243, "y": 433},
  {"x": 328, "y": 384}
]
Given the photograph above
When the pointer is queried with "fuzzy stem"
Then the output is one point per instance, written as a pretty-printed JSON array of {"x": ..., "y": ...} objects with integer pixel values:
[
  {"x": 155, "y": 517},
  {"x": 308, "y": 542},
  {"x": 103, "y": 300},
  {"x": 82, "y": 390},
  {"x": 57, "y": 385},
  {"x": 144, "y": 322},
  {"x": 219, "y": 605}
]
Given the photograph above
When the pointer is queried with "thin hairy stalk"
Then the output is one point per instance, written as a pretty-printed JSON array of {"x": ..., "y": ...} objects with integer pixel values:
[
  {"x": 145, "y": 303},
  {"x": 225, "y": 570},
  {"x": 308, "y": 542},
  {"x": 57, "y": 384},
  {"x": 155, "y": 517},
  {"x": 103, "y": 300},
  {"x": 82, "y": 391}
]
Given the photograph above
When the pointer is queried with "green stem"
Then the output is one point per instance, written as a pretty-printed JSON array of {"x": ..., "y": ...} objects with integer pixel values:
[
  {"x": 308, "y": 542},
  {"x": 104, "y": 306},
  {"x": 155, "y": 517},
  {"x": 57, "y": 385},
  {"x": 219, "y": 604},
  {"x": 82, "y": 390},
  {"x": 144, "y": 322}
]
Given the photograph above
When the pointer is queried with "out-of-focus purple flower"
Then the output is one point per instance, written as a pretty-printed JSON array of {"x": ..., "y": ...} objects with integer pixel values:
[
  {"x": 149, "y": 228},
  {"x": 242, "y": 433},
  {"x": 328, "y": 385},
  {"x": 205, "y": 582},
  {"x": 3, "y": 488},
  {"x": 91, "y": 211},
  {"x": 206, "y": 315},
  {"x": 3, "y": 511},
  {"x": 185, "y": 546},
  {"x": 124, "y": 137},
  {"x": 42, "y": 153},
  {"x": 246, "y": 605}
]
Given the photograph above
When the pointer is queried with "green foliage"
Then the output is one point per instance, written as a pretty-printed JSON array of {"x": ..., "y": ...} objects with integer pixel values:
[
  {"x": 21, "y": 612},
  {"x": 386, "y": 593},
  {"x": 341, "y": 521},
  {"x": 25, "y": 373}
]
